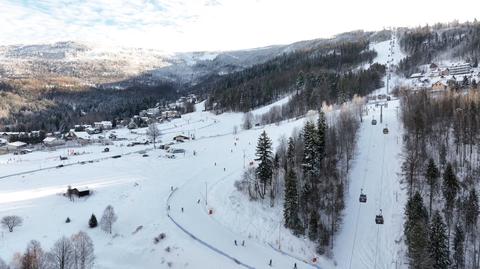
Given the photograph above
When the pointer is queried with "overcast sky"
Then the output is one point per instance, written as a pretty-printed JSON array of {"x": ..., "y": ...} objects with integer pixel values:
[{"x": 192, "y": 25}]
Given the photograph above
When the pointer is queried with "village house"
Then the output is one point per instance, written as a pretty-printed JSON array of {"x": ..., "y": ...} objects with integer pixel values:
[
  {"x": 439, "y": 86},
  {"x": 103, "y": 125},
  {"x": 79, "y": 192},
  {"x": 460, "y": 69},
  {"x": 16, "y": 145},
  {"x": 181, "y": 138},
  {"x": 52, "y": 141}
]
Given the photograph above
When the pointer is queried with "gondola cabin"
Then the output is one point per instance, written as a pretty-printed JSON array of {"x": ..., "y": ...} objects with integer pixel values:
[
  {"x": 374, "y": 122},
  {"x": 379, "y": 219},
  {"x": 385, "y": 130},
  {"x": 362, "y": 198}
]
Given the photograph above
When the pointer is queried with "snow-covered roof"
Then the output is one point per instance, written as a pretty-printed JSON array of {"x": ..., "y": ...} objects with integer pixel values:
[
  {"x": 49, "y": 139},
  {"x": 17, "y": 144},
  {"x": 416, "y": 75}
]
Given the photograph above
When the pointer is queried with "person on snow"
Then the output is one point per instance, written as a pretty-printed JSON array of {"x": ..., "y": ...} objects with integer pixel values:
[
  {"x": 270, "y": 263},
  {"x": 235, "y": 241},
  {"x": 182, "y": 209},
  {"x": 243, "y": 243}
]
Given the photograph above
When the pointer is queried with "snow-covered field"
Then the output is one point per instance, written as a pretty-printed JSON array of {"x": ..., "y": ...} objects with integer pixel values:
[{"x": 138, "y": 188}]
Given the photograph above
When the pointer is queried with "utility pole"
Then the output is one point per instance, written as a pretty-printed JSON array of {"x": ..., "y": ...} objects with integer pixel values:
[{"x": 381, "y": 113}]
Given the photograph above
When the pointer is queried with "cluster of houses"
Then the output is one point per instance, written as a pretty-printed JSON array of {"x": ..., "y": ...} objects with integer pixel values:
[
  {"x": 443, "y": 77},
  {"x": 161, "y": 113},
  {"x": 18, "y": 142}
]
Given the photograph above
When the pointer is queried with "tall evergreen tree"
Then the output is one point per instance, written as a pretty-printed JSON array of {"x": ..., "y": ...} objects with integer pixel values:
[
  {"x": 438, "y": 244},
  {"x": 471, "y": 210},
  {"x": 313, "y": 225},
  {"x": 458, "y": 248},
  {"x": 309, "y": 152},
  {"x": 416, "y": 232},
  {"x": 450, "y": 188},
  {"x": 321, "y": 137},
  {"x": 431, "y": 176},
  {"x": 290, "y": 206},
  {"x": 264, "y": 157}
]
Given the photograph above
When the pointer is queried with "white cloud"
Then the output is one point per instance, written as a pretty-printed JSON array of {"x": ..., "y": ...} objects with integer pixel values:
[{"x": 185, "y": 25}]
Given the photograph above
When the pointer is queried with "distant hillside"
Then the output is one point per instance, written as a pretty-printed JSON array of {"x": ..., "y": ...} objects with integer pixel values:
[
  {"x": 324, "y": 67},
  {"x": 453, "y": 41}
]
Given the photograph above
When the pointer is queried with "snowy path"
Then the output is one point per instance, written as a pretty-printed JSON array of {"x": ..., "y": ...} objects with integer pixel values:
[
  {"x": 362, "y": 243},
  {"x": 204, "y": 228}
]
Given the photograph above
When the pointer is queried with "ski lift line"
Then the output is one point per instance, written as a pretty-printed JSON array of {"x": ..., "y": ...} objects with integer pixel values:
[
  {"x": 380, "y": 199},
  {"x": 359, "y": 205}
]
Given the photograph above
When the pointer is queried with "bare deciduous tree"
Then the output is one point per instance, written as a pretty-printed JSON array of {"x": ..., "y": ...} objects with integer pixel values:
[
  {"x": 3, "y": 265},
  {"x": 11, "y": 222},
  {"x": 108, "y": 219},
  {"x": 61, "y": 255},
  {"x": 83, "y": 257},
  {"x": 34, "y": 257},
  {"x": 154, "y": 133},
  {"x": 247, "y": 121}
]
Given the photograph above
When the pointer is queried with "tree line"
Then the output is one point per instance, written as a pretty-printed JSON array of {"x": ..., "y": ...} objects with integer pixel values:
[
  {"x": 441, "y": 168},
  {"x": 59, "y": 109},
  {"x": 266, "y": 82},
  {"x": 307, "y": 175}
]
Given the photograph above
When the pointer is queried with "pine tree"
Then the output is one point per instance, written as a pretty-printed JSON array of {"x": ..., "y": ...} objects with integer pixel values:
[
  {"x": 458, "y": 248},
  {"x": 432, "y": 175},
  {"x": 450, "y": 189},
  {"x": 313, "y": 226},
  {"x": 471, "y": 210},
  {"x": 438, "y": 244},
  {"x": 264, "y": 157},
  {"x": 321, "y": 136},
  {"x": 416, "y": 232},
  {"x": 92, "y": 223},
  {"x": 290, "y": 206},
  {"x": 309, "y": 152}
]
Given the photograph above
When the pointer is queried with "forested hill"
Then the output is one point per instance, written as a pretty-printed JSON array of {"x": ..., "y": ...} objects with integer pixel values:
[
  {"x": 323, "y": 67},
  {"x": 441, "y": 41}
]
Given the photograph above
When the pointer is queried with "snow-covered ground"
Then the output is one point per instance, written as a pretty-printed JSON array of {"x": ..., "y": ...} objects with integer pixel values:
[
  {"x": 362, "y": 243},
  {"x": 140, "y": 190}
]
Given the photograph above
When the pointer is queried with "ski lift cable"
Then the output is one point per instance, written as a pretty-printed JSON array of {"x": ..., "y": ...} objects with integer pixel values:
[
  {"x": 380, "y": 198},
  {"x": 359, "y": 205}
]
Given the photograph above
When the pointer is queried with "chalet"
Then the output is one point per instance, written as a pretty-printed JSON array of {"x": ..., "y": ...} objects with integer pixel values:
[
  {"x": 103, "y": 125},
  {"x": 91, "y": 131},
  {"x": 181, "y": 138},
  {"x": 80, "y": 192},
  {"x": 416, "y": 75},
  {"x": 71, "y": 135},
  {"x": 52, "y": 141},
  {"x": 439, "y": 86},
  {"x": 16, "y": 145}
]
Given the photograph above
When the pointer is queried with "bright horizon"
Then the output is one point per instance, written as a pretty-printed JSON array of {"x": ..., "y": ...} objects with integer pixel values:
[{"x": 209, "y": 25}]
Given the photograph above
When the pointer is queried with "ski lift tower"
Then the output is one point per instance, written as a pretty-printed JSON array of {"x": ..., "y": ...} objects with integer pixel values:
[{"x": 381, "y": 105}]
